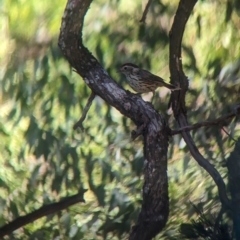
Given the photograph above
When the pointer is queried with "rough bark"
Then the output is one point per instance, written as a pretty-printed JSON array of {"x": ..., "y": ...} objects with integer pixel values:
[
  {"x": 233, "y": 165},
  {"x": 155, "y": 208}
]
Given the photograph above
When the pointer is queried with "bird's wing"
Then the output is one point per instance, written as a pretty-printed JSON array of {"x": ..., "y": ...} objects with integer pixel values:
[{"x": 151, "y": 77}]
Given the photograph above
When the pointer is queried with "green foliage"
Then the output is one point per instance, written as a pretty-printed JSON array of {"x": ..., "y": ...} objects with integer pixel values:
[
  {"x": 205, "y": 227},
  {"x": 41, "y": 98}
]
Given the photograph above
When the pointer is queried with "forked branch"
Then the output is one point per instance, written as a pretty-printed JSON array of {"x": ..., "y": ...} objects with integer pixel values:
[{"x": 155, "y": 204}]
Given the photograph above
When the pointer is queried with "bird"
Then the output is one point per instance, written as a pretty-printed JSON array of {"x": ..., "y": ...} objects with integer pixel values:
[{"x": 142, "y": 81}]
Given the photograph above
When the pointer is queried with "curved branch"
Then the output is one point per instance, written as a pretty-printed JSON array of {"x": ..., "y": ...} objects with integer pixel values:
[
  {"x": 178, "y": 100},
  {"x": 155, "y": 206},
  {"x": 41, "y": 212}
]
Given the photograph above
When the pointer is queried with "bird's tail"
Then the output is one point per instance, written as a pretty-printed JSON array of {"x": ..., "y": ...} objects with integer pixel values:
[{"x": 171, "y": 87}]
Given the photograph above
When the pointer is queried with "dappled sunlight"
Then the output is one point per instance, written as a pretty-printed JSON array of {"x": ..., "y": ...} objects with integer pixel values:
[{"x": 41, "y": 98}]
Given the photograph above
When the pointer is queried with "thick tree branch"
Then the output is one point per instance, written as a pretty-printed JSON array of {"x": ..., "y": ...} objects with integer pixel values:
[
  {"x": 233, "y": 165},
  {"x": 41, "y": 212},
  {"x": 218, "y": 121},
  {"x": 178, "y": 100},
  {"x": 155, "y": 206}
]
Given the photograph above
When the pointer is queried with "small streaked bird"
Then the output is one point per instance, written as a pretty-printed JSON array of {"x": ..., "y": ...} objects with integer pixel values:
[{"x": 142, "y": 81}]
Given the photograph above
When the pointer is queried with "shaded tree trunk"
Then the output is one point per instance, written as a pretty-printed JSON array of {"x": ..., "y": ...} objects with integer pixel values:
[
  {"x": 155, "y": 206},
  {"x": 233, "y": 165}
]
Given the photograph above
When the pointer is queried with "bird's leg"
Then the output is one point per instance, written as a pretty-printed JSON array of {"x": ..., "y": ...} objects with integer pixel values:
[{"x": 153, "y": 96}]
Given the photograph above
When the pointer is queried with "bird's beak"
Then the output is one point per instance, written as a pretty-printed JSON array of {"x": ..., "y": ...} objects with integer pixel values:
[{"x": 119, "y": 71}]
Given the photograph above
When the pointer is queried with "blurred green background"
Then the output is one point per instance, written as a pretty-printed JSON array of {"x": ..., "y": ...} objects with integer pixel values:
[{"x": 43, "y": 159}]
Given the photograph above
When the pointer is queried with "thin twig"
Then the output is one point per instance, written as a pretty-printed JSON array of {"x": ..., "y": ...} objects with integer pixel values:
[
  {"x": 205, "y": 123},
  {"x": 41, "y": 212},
  {"x": 229, "y": 134},
  {"x": 85, "y": 111},
  {"x": 144, "y": 16},
  {"x": 137, "y": 132}
]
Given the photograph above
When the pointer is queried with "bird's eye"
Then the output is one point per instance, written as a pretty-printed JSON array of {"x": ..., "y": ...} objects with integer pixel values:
[{"x": 125, "y": 68}]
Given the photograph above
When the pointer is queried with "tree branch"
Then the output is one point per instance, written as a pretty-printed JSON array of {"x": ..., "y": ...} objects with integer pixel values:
[
  {"x": 233, "y": 165},
  {"x": 229, "y": 135},
  {"x": 178, "y": 100},
  {"x": 217, "y": 121},
  {"x": 144, "y": 16},
  {"x": 84, "y": 113},
  {"x": 155, "y": 204},
  {"x": 41, "y": 212}
]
